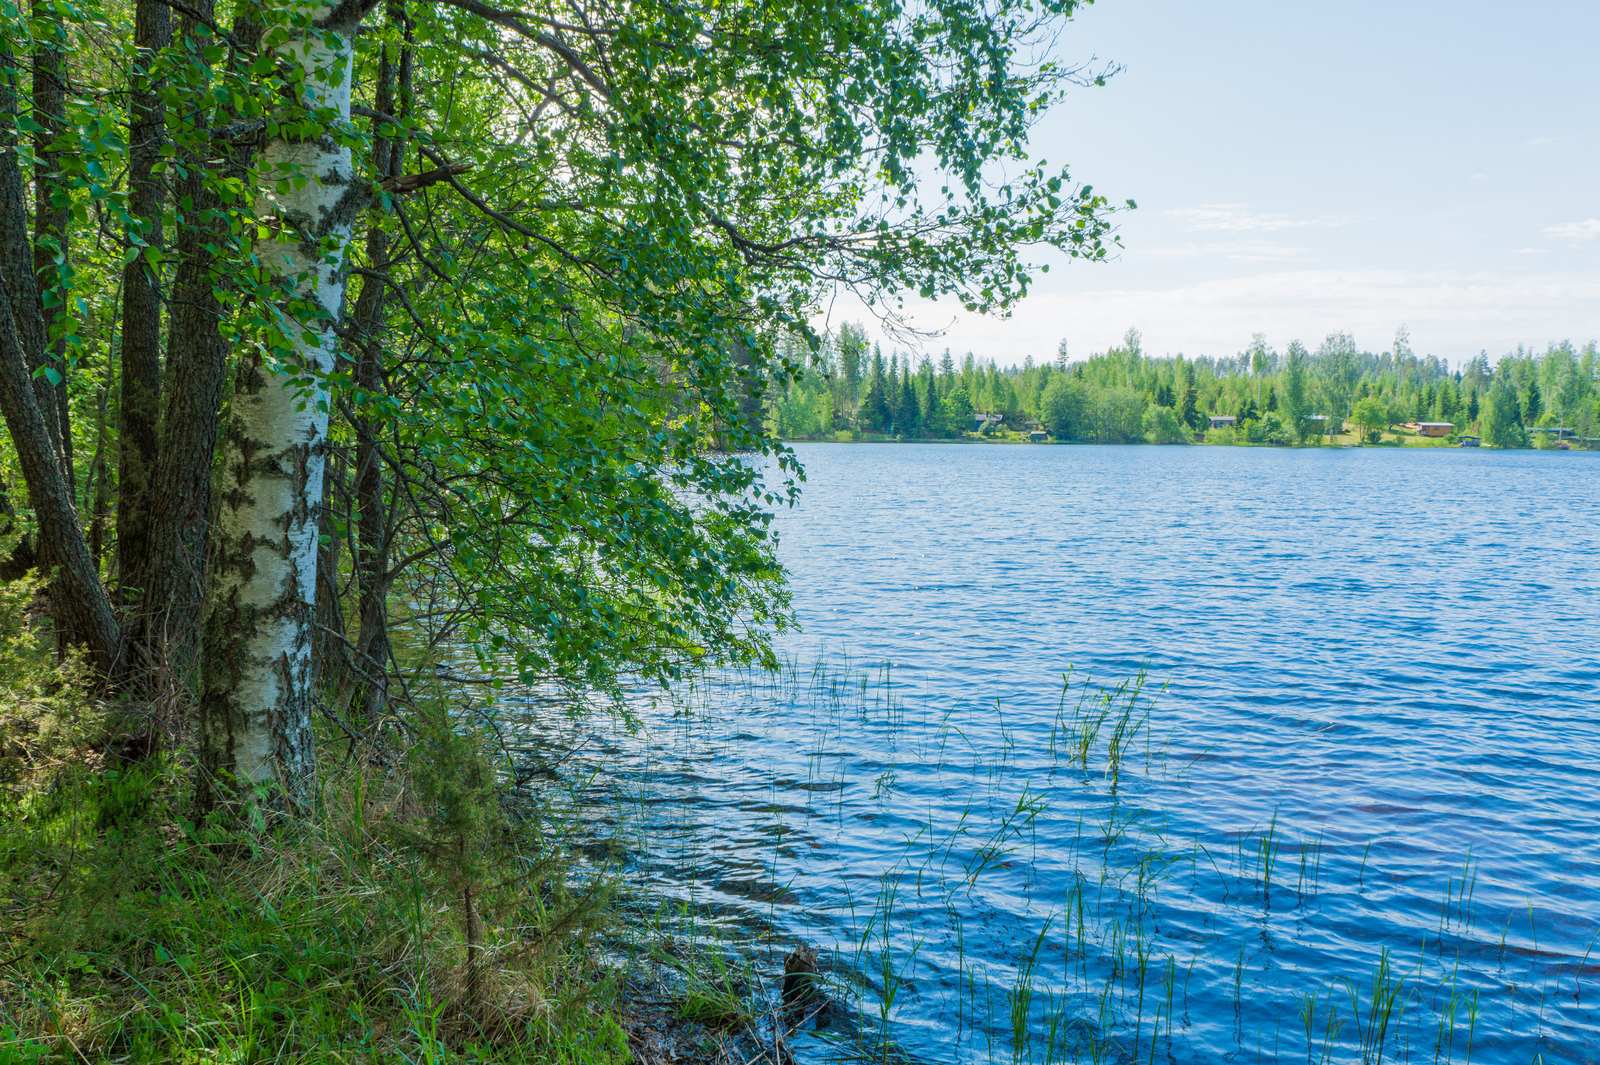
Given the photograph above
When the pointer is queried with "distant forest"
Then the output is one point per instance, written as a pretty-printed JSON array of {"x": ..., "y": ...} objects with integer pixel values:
[{"x": 1123, "y": 396}]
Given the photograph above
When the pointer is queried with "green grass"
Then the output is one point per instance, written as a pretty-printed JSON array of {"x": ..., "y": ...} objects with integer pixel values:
[{"x": 134, "y": 934}]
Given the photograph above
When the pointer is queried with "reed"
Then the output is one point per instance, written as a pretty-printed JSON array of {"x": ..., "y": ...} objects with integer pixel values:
[{"x": 968, "y": 883}]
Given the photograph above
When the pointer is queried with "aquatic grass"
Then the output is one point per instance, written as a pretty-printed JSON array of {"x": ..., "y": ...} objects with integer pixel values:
[
  {"x": 1121, "y": 861},
  {"x": 1022, "y": 995}
]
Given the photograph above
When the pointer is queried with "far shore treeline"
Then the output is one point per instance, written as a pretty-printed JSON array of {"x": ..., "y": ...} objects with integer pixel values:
[{"x": 1299, "y": 396}]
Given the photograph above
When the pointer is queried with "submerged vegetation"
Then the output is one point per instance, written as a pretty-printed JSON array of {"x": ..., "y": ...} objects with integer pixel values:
[{"x": 1261, "y": 396}]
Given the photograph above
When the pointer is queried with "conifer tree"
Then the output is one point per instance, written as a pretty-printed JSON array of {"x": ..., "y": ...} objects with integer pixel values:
[
  {"x": 1191, "y": 398},
  {"x": 874, "y": 414},
  {"x": 908, "y": 420},
  {"x": 931, "y": 425}
]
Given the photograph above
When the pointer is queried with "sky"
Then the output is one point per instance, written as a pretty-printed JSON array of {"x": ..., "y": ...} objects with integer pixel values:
[{"x": 1302, "y": 168}]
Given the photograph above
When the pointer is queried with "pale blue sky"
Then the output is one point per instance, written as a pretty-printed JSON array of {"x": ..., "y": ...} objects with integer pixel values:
[{"x": 1305, "y": 167}]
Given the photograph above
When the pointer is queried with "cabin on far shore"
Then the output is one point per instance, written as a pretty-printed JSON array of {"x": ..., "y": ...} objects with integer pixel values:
[
  {"x": 1430, "y": 428},
  {"x": 1222, "y": 421}
]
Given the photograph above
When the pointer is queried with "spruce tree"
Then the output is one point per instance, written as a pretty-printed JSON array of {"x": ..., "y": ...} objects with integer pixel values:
[
  {"x": 1191, "y": 398},
  {"x": 909, "y": 416},
  {"x": 874, "y": 413}
]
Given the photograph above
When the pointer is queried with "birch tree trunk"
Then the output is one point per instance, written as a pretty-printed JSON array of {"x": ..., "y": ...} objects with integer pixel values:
[{"x": 255, "y": 710}]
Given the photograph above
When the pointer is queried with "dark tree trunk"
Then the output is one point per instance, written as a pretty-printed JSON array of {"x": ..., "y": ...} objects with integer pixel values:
[
  {"x": 141, "y": 306},
  {"x": 328, "y": 658},
  {"x": 368, "y": 686},
  {"x": 78, "y": 603},
  {"x": 51, "y": 213},
  {"x": 16, "y": 259},
  {"x": 197, "y": 372}
]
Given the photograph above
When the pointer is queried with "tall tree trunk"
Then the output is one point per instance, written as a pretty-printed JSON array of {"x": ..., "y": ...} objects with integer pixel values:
[
  {"x": 141, "y": 303},
  {"x": 367, "y": 687},
  {"x": 51, "y": 212},
  {"x": 16, "y": 259},
  {"x": 180, "y": 493},
  {"x": 255, "y": 710},
  {"x": 78, "y": 603}
]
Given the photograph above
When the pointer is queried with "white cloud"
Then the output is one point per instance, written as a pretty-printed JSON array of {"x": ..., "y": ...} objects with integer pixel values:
[
  {"x": 1233, "y": 218},
  {"x": 1451, "y": 314},
  {"x": 1239, "y": 251},
  {"x": 1572, "y": 232}
]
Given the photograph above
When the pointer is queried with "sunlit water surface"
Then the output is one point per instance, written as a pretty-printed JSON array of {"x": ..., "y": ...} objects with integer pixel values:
[{"x": 1378, "y": 734}]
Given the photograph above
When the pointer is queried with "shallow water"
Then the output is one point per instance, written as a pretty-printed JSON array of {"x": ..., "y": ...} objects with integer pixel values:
[{"x": 1379, "y": 670}]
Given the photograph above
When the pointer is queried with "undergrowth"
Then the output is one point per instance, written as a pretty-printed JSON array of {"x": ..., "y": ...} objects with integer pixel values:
[{"x": 410, "y": 917}]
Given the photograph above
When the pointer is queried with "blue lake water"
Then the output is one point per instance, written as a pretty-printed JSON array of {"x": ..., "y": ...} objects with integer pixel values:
[{"x": 1377, "y": 748}]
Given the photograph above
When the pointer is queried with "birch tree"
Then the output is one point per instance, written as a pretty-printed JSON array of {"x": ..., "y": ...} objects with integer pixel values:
[
  {"x": 255, "y": 707},
  {"x": 620, "y": 220}
]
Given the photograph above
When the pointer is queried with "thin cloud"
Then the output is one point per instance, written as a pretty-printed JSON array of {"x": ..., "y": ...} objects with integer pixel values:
[
  {"x": 1235, "y": 218},
  {"x": 1573, "y": 232},
  {"x": 1451, "y": 314},
  {"x": 1238, "y": 251}
]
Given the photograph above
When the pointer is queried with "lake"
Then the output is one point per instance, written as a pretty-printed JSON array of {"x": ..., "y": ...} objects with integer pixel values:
[{"x": 1351, "y": 813}]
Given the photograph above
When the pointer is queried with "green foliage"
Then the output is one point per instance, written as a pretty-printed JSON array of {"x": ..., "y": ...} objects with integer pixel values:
[
  {"x": 1502, "y": 417},
  {"x": 1165, "y": 426},
  {"x": 1116, "y": 416},
  {"x": 955, "y": 412},
  {"x": 1372, "y": 414},
  {"x": 46, "y": 718},
  {"x": 1064, "y": 409},
  {"x": 1533, "y": 405},
  {"x": 1339, "y": 373},
  {"x": 333, "y": 938}
]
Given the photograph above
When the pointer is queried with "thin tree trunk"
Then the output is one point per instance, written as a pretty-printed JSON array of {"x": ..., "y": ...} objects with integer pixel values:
[
  {"x": 78, "y": 603},
  {"x": 51, "y": 213},
  {"x": 255, "y": 710},
  {"x": 96, "y": 500},
  {"x": 16, "y": 259},
  {"x": 328, "y": 658},
  {"x": 141, "y": 305},
  {"x": 368, "y": 689}
]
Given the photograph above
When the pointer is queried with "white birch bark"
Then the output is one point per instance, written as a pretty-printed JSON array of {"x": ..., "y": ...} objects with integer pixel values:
[{"x": 255, "y": 718}]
